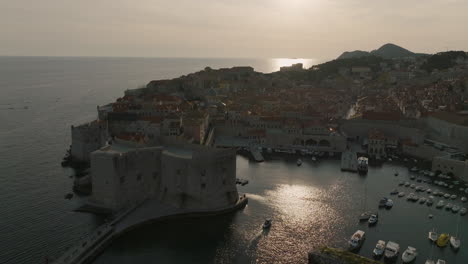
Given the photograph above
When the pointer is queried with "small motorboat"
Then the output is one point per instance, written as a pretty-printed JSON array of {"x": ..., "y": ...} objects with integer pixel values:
[
  {"x": 463, "y": 199},
  {"x": 267, "y": 224},
  {"x": 412, "y": 186},
  {"x": 422, "y": 200},
  {"x": 446, "y": 196},
  {"x": 383, "y": 201},
  {"x": 428, "y": 190},
  {"x": 394, "y": 192},
  {"x": 435, "y": 192},
  {"x": 409, "y": 255},
  {"x": 433, "y": 236},
  {"x": 356, "y": 240},
  {"x": 389, "y": 203},
  {"x": 430, "y": 201},
  {"x": 448, "y": 206},
  {"x": 443, "y": 240},
  {"x": 373, "y": 219},
  {"x": 463, "y": 211},
  {"x": 441, "y": 261},
  {"x": 455, "y": 208},
  {"x": 299, "y": 162},
  {"x": 453, "y": 196},
  {"x": 379, "y": 249},
  {"x": 401, "y": 194},
  {"x": 455, "y": 242},
  {"x": 391, "y": 250},
  {"x": 440, "y": 204},
  {"x": 365, "y": 216},
  {"x": 314, "y": 158}
]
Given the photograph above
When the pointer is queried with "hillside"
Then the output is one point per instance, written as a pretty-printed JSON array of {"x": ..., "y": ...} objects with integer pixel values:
[{"x": 387, "y": 51}]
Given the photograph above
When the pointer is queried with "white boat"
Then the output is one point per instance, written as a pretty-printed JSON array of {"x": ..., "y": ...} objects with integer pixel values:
[
  {"x": 379, "y": 249},
  {"x": 453, "y": 196},
  {"x": 446, "y": 196},
  {"x": 314, "y": 158},
  {"x": 373, "y": 219},
  {"x": 463, "y": 199},
  {"x": 440, "y": 204},
  {"x": 299, "y": 162},
  {"x": 433, "y": 236},
  {"x": 391, "y": 250},
  {"x": 455, "y": 242},
  {"x": 401, "y": 194},
  {"x": 441, "y": 261},
  {"x": 356, "y": 240},
  {"x": 409, "y": 255},
  {"x": 422, "y": 200},
  {"x": 455, "y": 208},
  {"x": 448, "y": 206}
]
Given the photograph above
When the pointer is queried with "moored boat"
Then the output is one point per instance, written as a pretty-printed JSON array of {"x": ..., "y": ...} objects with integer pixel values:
[
  {"x": 379, "y": 249},
  {"x": 391, "y": 250},
  {"x": 356, "y": 240},
  {"x": 432, "y": 236},
  {"x": 455, "y": 242},
  {"x": 409, "y": 255},
  {"x": 443, "y": 240}
]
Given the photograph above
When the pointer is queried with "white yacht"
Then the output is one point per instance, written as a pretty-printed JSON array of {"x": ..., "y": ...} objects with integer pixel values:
[
  {"x": 409, "y": 255},
  {"x": 391, "y": 250},
  {"x": 356, "y": 240},
  {"x": 379, "y": 249},
  {"x": 433, "y": 236},
  {"x": 455, "y": 242}
]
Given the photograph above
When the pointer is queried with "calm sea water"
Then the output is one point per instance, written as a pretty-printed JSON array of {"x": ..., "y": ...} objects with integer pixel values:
[{"x": 311, "y": 205}]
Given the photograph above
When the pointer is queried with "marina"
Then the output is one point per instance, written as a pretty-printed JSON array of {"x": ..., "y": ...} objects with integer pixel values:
[{"x": 281, "y": 189}]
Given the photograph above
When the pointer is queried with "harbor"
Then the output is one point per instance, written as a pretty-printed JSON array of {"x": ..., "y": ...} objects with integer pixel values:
[{"x": 311, "y": 205}]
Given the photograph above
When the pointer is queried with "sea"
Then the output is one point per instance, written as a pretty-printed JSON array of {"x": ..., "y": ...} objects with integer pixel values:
[{"x": 311, "y": 205}]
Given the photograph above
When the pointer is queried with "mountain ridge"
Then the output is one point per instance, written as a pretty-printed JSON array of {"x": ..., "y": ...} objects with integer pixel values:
[{"x": 386, "y": 51}]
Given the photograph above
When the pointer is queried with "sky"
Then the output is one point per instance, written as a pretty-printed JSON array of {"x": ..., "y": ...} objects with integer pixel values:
[{"x": 320, "y": 29}]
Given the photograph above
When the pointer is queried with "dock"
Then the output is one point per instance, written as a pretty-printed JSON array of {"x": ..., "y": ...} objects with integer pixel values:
[{"x": 148, "y": 211}]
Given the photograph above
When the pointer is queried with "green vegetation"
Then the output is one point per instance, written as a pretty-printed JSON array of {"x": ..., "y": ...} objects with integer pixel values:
[
  {"x": 443, "y": 60},
  {"x": 348, "y": 257}
]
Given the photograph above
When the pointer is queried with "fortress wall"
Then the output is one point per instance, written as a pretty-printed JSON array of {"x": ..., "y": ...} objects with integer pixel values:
[{"x": 87, "y": 138}]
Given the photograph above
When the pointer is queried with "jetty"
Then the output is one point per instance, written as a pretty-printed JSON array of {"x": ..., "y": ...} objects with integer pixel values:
[{"x": 147, "y": 212}]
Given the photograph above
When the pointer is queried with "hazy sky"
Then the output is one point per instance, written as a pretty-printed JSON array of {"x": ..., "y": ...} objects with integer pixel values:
[{"x": 228, "y": 28}]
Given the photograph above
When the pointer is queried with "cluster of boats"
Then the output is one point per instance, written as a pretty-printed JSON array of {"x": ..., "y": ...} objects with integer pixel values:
[
  {"x": 390, "y": 250},
  {"x": 443, "y": 239},
  {"x": 431, "y": 199}
]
